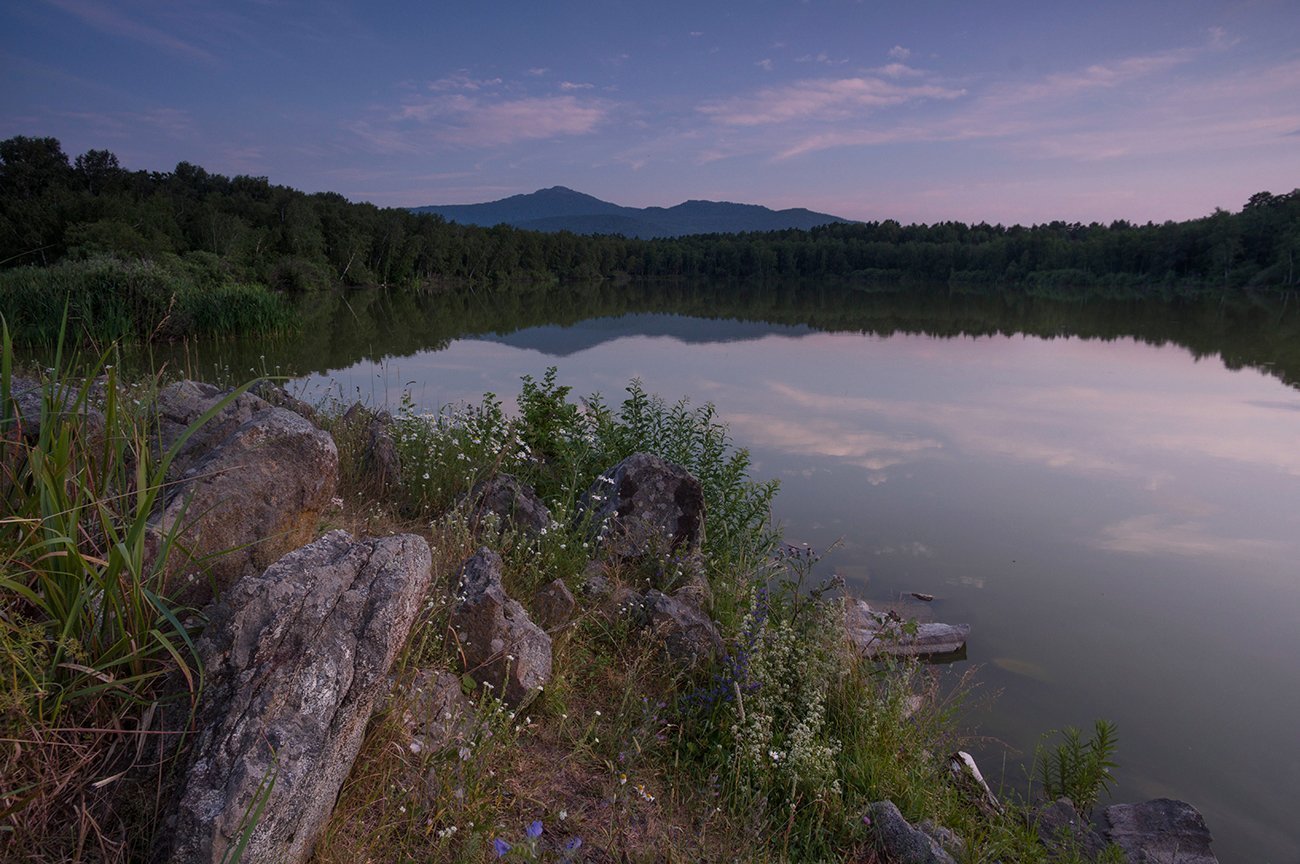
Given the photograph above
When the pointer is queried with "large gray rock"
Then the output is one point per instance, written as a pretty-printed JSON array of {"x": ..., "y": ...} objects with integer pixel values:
[
  {"x": 503, "y": 649},
  {"x": 294, "y": 660},
  {"x": 646, "y": 505},
  {"x": 244, "y": 500},
  {"x": 902, "y": 842},
  {"x": 1062, "y": 830},
  {"x": 689, "y": 635},
  {"x": 1160, "y": 831},
  {"x": 180, "y": 405},
  {"x": 516, "y": 505},
  {"x": 876, "y": 634}
]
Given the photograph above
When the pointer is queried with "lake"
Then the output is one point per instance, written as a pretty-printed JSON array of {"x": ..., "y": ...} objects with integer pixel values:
[{"x": 1107, "y": 490}]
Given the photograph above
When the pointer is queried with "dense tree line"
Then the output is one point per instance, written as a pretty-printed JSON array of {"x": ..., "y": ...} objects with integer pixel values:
[{"x": 246, "y": 229}]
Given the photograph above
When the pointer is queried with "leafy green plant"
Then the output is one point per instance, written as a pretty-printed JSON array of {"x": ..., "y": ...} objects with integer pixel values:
[
  {"x": 87, "y": 631},
  {"x": 1079, "y": 769}
]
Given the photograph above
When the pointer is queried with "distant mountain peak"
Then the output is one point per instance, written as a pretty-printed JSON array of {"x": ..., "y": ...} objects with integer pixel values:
[{"x": 559, "y": 208}]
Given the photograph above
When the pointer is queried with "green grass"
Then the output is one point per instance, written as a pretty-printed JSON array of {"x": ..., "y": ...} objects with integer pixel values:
[{"x": 101, "y": 300}]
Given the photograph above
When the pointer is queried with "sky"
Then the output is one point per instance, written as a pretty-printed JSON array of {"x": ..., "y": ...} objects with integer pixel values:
[{"x": 1001, "y": 111}]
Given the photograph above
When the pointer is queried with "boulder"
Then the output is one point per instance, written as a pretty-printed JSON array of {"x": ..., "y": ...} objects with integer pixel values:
[
  {"x": 1159, "y": 831},
  {"x": 517, "y": 505},
  {"x": 294, "y": 660},
  {"x": 690, "y": 637},
  {"x": 244, "y": 502},
  {"x": 503, "y": 649},
  {"x": 646, "y": 505},
  {"x": 553, "y": 604},
  {"x": 876, "y": 634},
  {"x": 179, "y": 407},
  {"x": 1062, "y": 830},
  {"x": 900, "y": 841}
]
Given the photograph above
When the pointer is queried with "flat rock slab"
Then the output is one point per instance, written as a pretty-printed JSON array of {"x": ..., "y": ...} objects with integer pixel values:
[
  {"x": 1160, "y": 831},
  {"x": 294, "y": 661},
  {"x": 875, "y": 634}
]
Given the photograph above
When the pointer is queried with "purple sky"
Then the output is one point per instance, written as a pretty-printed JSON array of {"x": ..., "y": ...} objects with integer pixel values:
[{"x": 920, "y": 111}]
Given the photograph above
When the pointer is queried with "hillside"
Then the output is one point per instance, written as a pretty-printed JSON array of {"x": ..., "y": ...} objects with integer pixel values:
[{"x": 562, "y": 209}]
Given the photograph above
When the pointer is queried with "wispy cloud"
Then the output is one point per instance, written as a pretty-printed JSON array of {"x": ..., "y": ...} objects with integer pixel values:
[
  {"x": 824, "y": 99},
  {"x": 898, "y": 70},
  {"x": 111, "y": 21},
  {"x": 461, "y": 110},
  {"x": 463, "y": 81},
  {"x": 822, "y": 58},
  {"x": 1124, "y": 107},
  {"x": 898, "y": 52},
  {"x": 573, "y": 85}
]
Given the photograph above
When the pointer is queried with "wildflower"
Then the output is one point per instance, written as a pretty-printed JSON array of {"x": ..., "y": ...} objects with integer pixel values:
[
  {"x": 564, "y": 814},
  {"x": 534, "y": 830},
  {"x": 572, "y": 844},
  {"x": 501, "y": 847}
]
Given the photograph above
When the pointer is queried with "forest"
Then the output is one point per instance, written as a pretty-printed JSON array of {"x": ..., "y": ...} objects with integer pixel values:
[{"x": 92, "y": 232}]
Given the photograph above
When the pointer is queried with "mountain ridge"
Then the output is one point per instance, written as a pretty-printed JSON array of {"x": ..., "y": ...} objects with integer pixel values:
[{"x": 559, "y": 208}]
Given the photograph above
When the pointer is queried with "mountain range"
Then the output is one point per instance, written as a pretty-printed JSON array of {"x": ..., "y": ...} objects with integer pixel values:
[{"x": 563, "y": 209}]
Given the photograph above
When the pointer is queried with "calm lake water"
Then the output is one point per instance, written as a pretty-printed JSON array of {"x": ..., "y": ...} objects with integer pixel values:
[{"x": 1113, "y": 509}]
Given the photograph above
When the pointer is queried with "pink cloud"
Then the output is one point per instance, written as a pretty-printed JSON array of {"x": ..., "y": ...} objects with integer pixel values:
[
  {"x": 474, "y": 119},
  {"x": 820, "y": 99}
]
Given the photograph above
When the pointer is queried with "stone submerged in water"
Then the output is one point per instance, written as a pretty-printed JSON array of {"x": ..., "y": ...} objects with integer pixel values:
[
  {"x": 1158, "y": 831},
  {"x": 876, "y": 634}
]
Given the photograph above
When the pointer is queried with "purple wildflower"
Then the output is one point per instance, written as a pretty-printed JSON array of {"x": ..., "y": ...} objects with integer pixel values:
[
  {"x": 501, "y": 847},
  {"x": 534, "y": 830}
]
